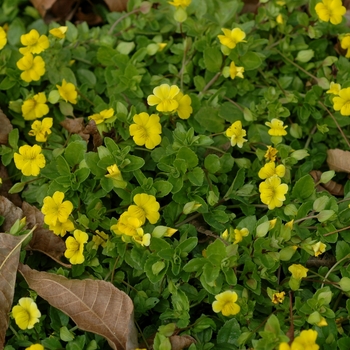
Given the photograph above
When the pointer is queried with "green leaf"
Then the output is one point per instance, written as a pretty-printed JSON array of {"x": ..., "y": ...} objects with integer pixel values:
[
  {"x": 86, "y": 77},
  {"x": 163, "y": 188},
  {"x": 209, "y": 118},
  {"x": 188, "y": 245},
  {"x": 251, "y": 61},
  {"x": 273, "y": 325},
  {"x": 13, "y": 139},
  {"x": 18, "y": 187},
  {"x": 212, "y": 59},
  {"x": 135, "y": 163},
  {"x": 75, "y": 152},
  {"x": 229, "y": 332},
  {"x": 194, "y": 265},
  {"x": 155, "y": 269},
  {"x": 342, "y": 250},
  {"x": 196, "y": 176},
  {"x": 304, "y": 187},
  {"x": 188, "y": 156},
  {"x": 212, "y": 163}
]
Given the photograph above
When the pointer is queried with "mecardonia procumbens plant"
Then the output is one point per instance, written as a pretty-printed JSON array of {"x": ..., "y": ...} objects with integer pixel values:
[{"x": 169, "y": 152}]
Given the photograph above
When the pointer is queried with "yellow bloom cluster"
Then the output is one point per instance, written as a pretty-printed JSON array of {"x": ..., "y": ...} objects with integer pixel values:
[
  {"x": 41, "y": 129},
  {"x": 26, "y": 313},
  {"x": 75, "y": 247},
  {"x": 305, "y": 341},
  {"x": 330, "y": 10},
  {"x": 59, "y": 32},
  {"x": 3, "y": 38},
  {"x": 102, "y": 116},
  {"x": 33, "y": 67},
  {"x": 116, "y": 176},
  {"x": 278, "y": 298},
  {"x": 235, "y": 235},
  {"x": 232, "y": 37},
  {"x": 226, "y": 303},
  {"x": 35, "y": 107},
  {"x": 145, "y": 208},
  {"x": 168, "y": 98},
  {"x": 68, "y": 92},
  {"x": 342, "y": 102}
]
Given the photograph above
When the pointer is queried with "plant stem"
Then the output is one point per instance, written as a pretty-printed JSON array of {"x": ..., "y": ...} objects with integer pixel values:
[
  {"x": 341, "y": 229},
  {"x": 336, "y": 123},
  {"x": 211, "y": 82},
  {"x": 235, "y": 103},
  {"x": 121, "y": 18},
  {"x": 333, "y": 267},
  {"x": 296, "y": 65}
]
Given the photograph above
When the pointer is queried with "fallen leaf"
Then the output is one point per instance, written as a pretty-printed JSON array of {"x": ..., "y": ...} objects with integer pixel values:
[
  {"x": 179, "y": 342},
  {"x": 44, "y": 240},
  {"x": 338, "y": 160},
  {"x": 116, "y": 5},
  {"x": 331, "y": 186},
  {"x": 57, "y": 10},
  {"x": 95, "y": 306},
  {"x": 10, "y": 212},
  {"x": 6, "y": 185},
  {"x": 10, "y": 248},
  {"x": 75, "y": 126},
  {"x": 92, "y": 130},
  {"x": 6, "y": 128}
]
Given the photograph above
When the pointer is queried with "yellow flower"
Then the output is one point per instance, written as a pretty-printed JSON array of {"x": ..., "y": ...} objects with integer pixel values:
[
  {"x": 102, "y": 116},
  {"x": 290, "y": 224},
  {"x": 182, "y": 3},
  {"x": 319, "y": 248},
  {"x": 239, "y": 234},
  {"x": 184, "y": 108},
  {"x": 35, "y": 347},
  {"x": 41, "y": 129},
  {"x": 99, "y": 239},
  {"x": 146, "y": 130},
  {"x": 61, "y": 228},
  {"x": 276, "y": 128},
  {"x": 236, "y": 71},
  {"x": 116, "y": 176},
  {"x": 272, "y": 192},
  {"x": 226, "y": 303},
  {"x": 161, "y": 46},
  {"x": 33, "y": 42},
  {"x": 68, "y": 92},
  {"x": 59, "y": 32},
  {"x": 271, "y": 153},
  {"x": 163, "y": 231},
  {"x": 278, "y": 298},
  {"x": 272, "y": 223},
  {"x": 142, "y": 238},
  {"x": 335, "y": 88},
  {"x": 279, "y": 19},
  {"x": 26, "y": 313},
  {"x": 126, "y": 225},
  {"x": 164, "y": 98},
  {"x": 33, "y": 67},
  {"x": 270, "y": 169},
  {"x": 231, "y": 37},
  {"x": 35, "y": 107},
  {"x": 75, "y": 247},
  {"x": 298, "y": 271},
  {"x": 3, "y": 38},
  {"x": 322, "y": 323},
  {"x": 306, "y": 341},
  {"x": 345, "y": 44},
  {"x": 55, "y": 210},
  {"x": 342, "y": 102},
  {"x": 236, "y": 133},
  {"x": 146, "y": 208},
  {"x": 284, "y": 346},
  {"x": 29, "y": 160},
  {"x": 330, "y": 10}
]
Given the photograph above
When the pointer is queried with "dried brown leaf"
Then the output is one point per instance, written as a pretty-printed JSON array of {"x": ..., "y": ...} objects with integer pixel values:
[
  {"x": 44, "y": 240},
  {"x": 179, "y": 342},
  {"x": 6, "y": 128},
  {"x": 6, "y": 185},
  {"x": 95, "y": 306},
  {"x": 10, "y": 211},
  {"x": 75, "y": 126},
  {"x": 116, "y": 5},
  {"x": 331, "y": 186},
  {"x": 10, "y": 247},
  {"x": 338, "y": 160},
  {"x": 58, "y": 10}
]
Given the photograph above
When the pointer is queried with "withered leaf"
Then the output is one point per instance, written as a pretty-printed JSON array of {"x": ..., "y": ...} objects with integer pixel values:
[
  {"x": 58, "y": 10},
  {"x": 331, "y": 186},
  {"x": 95, "y": 306},
  {"x": 6, "y": 128},
  {"x": 44, "y": 240},
  {"x": 10, "y": 247},
  {"x": 116, "y": 5},
  {"x": 338, "y": 160},
  {"x": 75, "y": 126},
  {"x": 10, "y": 212},
  {"x": 179, "y": 342},
  {"x": 6, "y": 185}
]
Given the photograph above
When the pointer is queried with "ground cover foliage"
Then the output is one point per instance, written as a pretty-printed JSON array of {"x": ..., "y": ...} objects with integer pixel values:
[{"x": 176, "y": 177}]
